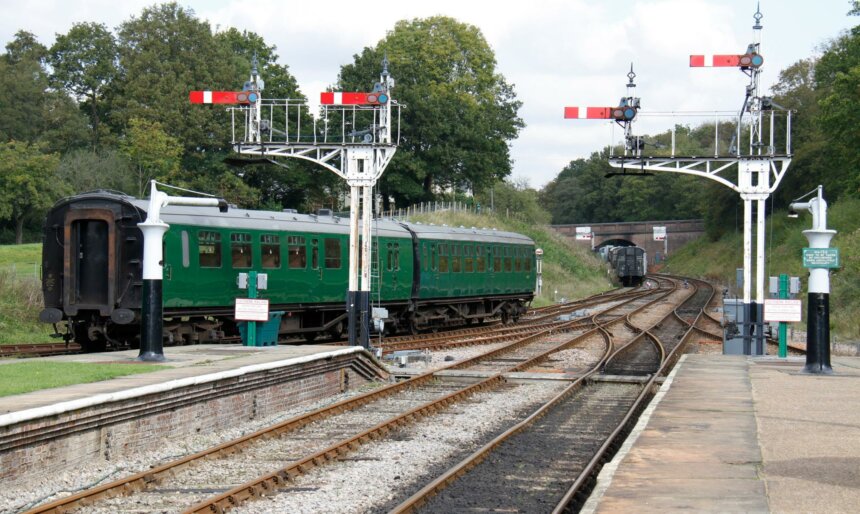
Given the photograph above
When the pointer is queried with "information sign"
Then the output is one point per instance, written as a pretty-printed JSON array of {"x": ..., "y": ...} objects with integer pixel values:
[
  {"x": 583, "y": 233},
  {"x": 782, "y": 310},
  {"x": 821, "y": 257},
  {"x": 659, "y": 233},
  {"x": 252, "y": 309}
]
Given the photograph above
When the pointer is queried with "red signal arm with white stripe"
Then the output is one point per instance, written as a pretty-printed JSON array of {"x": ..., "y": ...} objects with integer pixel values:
[
  {"x": 588, "y": 113},
  {"x": 341, "y": 98},
  {"x": 219, "y": 97},
  {"x": 716, "y": 61}
]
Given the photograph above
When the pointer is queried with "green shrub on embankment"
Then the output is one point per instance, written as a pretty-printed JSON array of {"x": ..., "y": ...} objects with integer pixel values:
[
  {"x": 572, "y": 270},
  {"x": 35, "y": 375},
  {"x": 717, "y": 260},
  {"x": 21, "y": 295}
]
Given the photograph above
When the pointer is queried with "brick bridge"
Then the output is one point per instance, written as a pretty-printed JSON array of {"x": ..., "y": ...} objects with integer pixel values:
[{"x": 639, "y": 233}]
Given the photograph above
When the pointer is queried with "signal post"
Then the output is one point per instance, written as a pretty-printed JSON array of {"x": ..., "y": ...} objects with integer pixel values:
[
  {"x": 761, "y": 164},
  {"x": 352, "y": 138}
]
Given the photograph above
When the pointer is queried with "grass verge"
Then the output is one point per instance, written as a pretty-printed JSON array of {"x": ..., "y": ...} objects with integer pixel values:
[
  {"x": 717, "y": 261},
  {"x": 24, "y": 377}
]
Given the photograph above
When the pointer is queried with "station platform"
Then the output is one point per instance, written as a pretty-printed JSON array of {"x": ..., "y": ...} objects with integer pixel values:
[
  {"x": 741, "y": 434},
  {"x": 184, "y": 362},
  {"x": 204, "y": 389}
]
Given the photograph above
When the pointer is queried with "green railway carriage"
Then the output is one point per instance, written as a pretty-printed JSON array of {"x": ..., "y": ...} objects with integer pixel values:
[{"x": 426, "y": 276}]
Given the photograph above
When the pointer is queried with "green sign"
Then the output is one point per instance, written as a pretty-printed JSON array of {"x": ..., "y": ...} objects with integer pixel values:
[{"x": 821, "y": 257}]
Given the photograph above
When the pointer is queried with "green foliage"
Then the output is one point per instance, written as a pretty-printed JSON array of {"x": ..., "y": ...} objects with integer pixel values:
[
  {"x": 460, "y": 113},
  {"x": 23, "y": 377},
  {"x": 515, "y": 198},
  {"x": 717, "y": 261},
  {"x": 87, "y": 170},
  {"x": 582, "y": 193},
  {"x": 153, "y": 153},
  {"x": 84, "y": 63},
  {"x": 28, "y": 184},
  {"x": 20, "y": 302}
]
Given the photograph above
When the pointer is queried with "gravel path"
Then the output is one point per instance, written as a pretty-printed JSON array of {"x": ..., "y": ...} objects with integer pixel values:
[{"x": 377, "y": 476}]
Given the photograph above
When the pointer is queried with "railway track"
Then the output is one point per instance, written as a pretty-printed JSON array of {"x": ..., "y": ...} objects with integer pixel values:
[
  {"x": 413, "y": 401},
  {"x": 38, "y": 349},
  {"x": 529, "y": 467}
]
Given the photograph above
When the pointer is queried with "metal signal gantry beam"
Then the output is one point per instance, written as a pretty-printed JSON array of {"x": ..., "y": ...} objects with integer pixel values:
[
  {"x": 760, "y": 169},
  {"x": 357, "y": 145}
]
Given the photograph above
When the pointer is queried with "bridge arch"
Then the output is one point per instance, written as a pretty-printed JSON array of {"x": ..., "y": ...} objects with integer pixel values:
[{"x": 639, "y": 233}]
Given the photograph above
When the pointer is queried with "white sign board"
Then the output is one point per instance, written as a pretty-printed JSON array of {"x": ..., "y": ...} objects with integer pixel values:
[
  {"x": 782, "y": 310},
  {"x": 583, "y": 233},
  {"x": 659, "y": 233},
  {"x": 248, "y": 309}
]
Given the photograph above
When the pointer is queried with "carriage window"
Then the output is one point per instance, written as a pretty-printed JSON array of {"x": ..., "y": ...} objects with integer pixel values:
[
  {"x": 396, "y": 256},
  {"x": 389, "y": 265},
  {"x": 433, "y": 257},
  {"x": 315, "y": 254},
  {"x": 424, "y": 257},
  {"x": 186, "y": 258},
  {"x": 240, "y": 250},
  {"x": 298, "y": 252},
  {"x": 528, "y": 263},
  {"x": 209, "y": 246},
  {"x": 443, "y": 258},
  {"x": 497, "y": 259},
  {"x": 508, "y": 264},
  {"x": 270, "y": 246},
  {"x": 518, "y": 259},
  {"x": 482, "y": 262},
  {"x": 469, "y": 261},
  {"x": 332, "y": 253}
]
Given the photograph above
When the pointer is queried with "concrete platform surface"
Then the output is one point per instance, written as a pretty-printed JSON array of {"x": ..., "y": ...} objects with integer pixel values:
[
  {"x": 740, "y": 434},
  {"x": 184, "y": 362}
]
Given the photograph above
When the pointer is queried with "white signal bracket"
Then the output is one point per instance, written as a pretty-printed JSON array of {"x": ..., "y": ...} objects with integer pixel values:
[
  {"x": 761, "y": 168},
  {"x": 355, "y": 136}
]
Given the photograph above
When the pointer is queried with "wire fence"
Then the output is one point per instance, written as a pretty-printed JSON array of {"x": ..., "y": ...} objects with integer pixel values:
[
  {"x": 23, "y": 270},
  {"x": 436, "y": 206}
]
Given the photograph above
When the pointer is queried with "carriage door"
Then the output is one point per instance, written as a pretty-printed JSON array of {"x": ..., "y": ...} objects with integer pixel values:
[{"x": 90, "y": 261}]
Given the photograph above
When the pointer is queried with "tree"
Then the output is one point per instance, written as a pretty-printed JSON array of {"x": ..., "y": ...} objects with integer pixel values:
[
  {"x": 29, "y": 110},
  {"x": 153, "y": 153},
  {"x": 837, "y": 77},
  {"x": 460, "y": 115},
  {"x": 87, "y": 170},
  {"x": 85, "y": 63},
  {"x": 163, "y": 54},
  {"x": 28, "y": 183}
]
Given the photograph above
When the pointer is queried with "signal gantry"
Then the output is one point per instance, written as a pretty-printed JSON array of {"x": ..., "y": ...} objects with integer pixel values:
[
  {"x": 354, "y": 136},
  {"x": 761, "y": 165}
]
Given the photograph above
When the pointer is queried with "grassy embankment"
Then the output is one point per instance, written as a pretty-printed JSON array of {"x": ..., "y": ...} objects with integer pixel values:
[
  {"x": 572, "y": 270},
  {"x": 717, "y": 261},
  {"x": 21, "y": 295}
]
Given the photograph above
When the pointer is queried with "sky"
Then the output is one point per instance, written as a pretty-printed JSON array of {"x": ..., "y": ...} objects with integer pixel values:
[{"x": 557, "y": 53}]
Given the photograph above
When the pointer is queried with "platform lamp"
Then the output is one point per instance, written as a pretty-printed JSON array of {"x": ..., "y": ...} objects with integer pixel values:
[{"x": 818, "y": 295}]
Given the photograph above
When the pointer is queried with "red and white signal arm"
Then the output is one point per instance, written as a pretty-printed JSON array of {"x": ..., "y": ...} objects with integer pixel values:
[
  {"x": 583, "y": 233},
  {"x": 223, "y": 97},
  {"x": 340, "y": 98},
  {"x": 752, "y": 60}
]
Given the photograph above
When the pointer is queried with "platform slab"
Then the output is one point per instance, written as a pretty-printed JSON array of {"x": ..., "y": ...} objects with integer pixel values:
[
  {"x": 184, "y": 361},
  {"x": 740, "y": 434}
]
